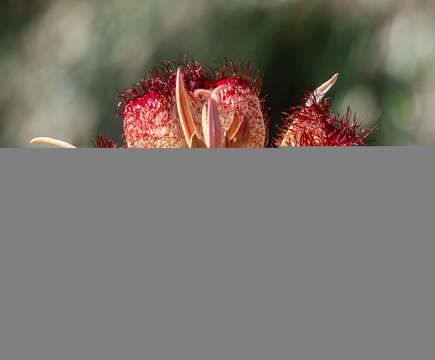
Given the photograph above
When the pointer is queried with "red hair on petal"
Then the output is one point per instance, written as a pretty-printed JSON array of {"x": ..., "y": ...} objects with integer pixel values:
[{"x": 313, "y": 124}]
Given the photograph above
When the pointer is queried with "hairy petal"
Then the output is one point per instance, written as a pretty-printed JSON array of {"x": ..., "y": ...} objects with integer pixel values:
[
  {"x": 149, "y": 109},
  {"x": 313, "y": 124}
]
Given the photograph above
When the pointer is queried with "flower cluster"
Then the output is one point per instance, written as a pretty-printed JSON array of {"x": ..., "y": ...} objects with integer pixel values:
[{"x": 186, "y": 105}]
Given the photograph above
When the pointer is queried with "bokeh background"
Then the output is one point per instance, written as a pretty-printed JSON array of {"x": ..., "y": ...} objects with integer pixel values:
[{"x": 62, "y": 62}]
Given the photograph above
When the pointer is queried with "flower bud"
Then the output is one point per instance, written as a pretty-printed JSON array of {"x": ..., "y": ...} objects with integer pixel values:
[
  {"x": 313, "y": 124},
  {"x": 151, "y": 111}
]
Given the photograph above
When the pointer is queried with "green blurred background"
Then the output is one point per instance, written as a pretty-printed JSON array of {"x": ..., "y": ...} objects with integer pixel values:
[{"x": 62, "y": 62}]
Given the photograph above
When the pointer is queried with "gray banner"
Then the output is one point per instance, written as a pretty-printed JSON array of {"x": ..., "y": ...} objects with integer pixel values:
[{"x": 272, "y": 254}]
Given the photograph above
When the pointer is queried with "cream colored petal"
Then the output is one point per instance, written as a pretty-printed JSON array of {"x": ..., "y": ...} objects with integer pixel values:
[
  {"x": 183, "y": 108},
  {"x": 322, "y": 90},
  {"x": 235, "y": 127},
  {"x": 47, "y": 140},
  {"x": 215, "y": 131}
]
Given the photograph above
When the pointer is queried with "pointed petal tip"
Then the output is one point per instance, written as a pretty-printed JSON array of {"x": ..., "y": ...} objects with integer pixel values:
[
  {"x": 334, "y": 79},
  {"x": 48, "y": 140},
  {"x": 183, "y": 109},
  {"x": 322, "y": 90}
]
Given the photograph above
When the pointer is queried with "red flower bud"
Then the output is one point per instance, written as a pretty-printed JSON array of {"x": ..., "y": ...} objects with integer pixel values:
[
  {"x": 313, "y": 124},
  {"x": 154, "y": 117}
]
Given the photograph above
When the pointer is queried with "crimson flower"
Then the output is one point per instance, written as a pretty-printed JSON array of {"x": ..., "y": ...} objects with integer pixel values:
[
  {"x": 313, "y": 124},
  {"x": 184, "y": 105}
]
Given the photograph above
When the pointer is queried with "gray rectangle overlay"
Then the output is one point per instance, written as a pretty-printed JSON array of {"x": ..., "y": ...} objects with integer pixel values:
[{"x": 203, "y": 255}]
